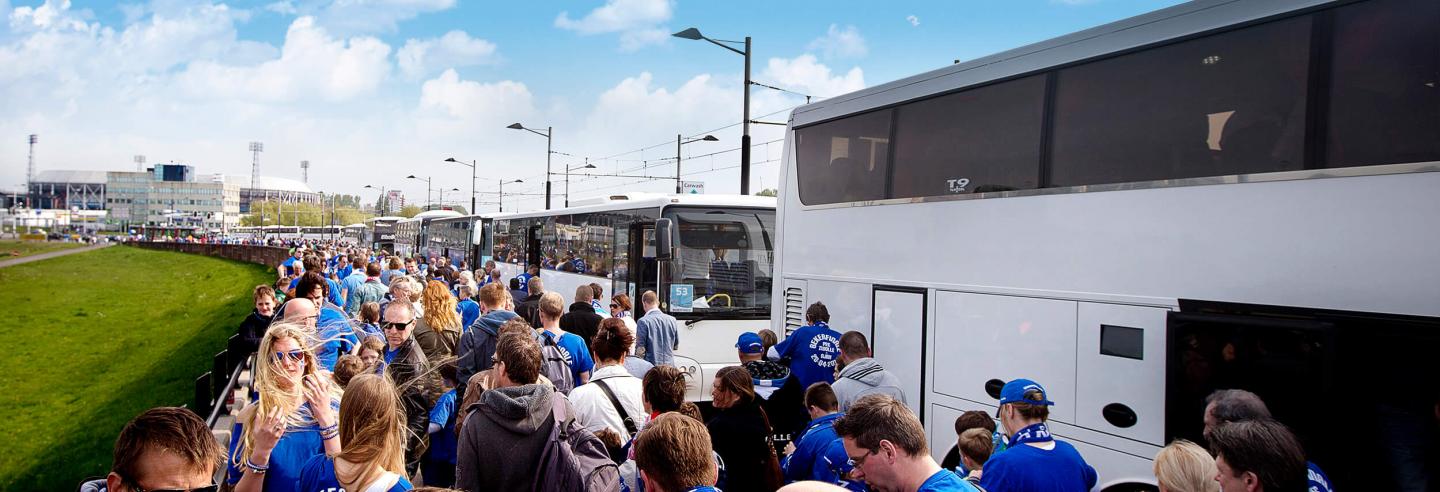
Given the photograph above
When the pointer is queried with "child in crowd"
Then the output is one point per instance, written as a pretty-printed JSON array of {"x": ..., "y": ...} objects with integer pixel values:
[
  {"x": 372, "y": 353},
  {"x": 975, "y": 446},
  {"x": 346, "y": 367},
  {"x": 438, "y": 464},
  {"x": 370, "y": 319}
]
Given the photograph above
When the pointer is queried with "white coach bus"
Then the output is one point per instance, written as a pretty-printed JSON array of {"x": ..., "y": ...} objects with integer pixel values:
[
  {"x": 1221, "y": 194},
  {"x": 713, "y": 270}
]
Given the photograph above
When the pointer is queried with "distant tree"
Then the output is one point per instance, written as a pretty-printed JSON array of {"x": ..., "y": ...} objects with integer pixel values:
[
  {"x": 410, "y": 211},
  {"x": 768, "y": 192}
]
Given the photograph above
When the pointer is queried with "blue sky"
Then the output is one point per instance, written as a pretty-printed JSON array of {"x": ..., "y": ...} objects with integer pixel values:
[{"x": 372, "y": 90}]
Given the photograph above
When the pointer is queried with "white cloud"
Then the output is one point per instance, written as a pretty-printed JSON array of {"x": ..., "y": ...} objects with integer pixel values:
[
  {"x": 807, "y": 75},
  {"x": 840, "y": 43},
  {"x": 450, "y": 96},
  {"x": 913, "y": 20},
  {"x": 312, "y": 64},
  {"x": 283, "y": 7},
  {"x": 639, "y": 22},
  {"x": 419, "y": 58},
  {"x": 50, "y": 15},
  {"x": 351, "y": 17}
]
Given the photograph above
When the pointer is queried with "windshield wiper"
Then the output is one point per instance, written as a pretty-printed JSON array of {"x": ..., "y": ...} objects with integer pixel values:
[{"x": 720, "y": 313}]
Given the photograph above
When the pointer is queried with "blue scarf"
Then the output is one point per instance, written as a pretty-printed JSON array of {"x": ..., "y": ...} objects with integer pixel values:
[{"x": 1032, "y": 433}]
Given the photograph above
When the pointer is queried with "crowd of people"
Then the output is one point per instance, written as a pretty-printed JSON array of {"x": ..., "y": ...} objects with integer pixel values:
[{"x": 375, "y": 372}]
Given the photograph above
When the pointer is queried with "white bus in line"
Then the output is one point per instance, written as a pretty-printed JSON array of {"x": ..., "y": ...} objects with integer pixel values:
[
  {"x": 1221, "y": 194},
  {"x": 716, "y": 279}
]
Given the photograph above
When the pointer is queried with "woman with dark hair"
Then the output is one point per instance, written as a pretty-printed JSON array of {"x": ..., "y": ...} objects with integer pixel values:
[
  {"x": 595, "y": 404},
  {"x": 740, "y": 432}
]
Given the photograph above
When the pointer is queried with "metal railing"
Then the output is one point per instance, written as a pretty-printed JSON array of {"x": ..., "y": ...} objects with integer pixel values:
[{"x": 212, "y": 392}]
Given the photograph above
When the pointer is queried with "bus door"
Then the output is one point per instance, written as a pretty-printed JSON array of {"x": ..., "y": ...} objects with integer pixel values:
[
  {"x": 532, "y": 246},
  {"x": 897, "y": 338},
  {"x": 644, "y": 272}
]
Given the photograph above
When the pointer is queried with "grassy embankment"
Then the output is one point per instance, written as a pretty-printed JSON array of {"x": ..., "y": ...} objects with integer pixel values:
[
  {"x": 16, "y": 249},
  {"x": 95, "y": 338}
]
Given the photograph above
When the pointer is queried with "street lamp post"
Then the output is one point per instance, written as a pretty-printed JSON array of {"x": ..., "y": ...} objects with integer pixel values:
[
  {"x": 427, "y": 188},
  {"x": 502, "y": 191},
  {"x": 694, "y": 34},
  {"x": 472, "y": 165},
  {"x": 587, "y": 165},
  {"x": 383, "y": 208},
  {"x": 679, "y": 140},
  {"x": 549, "y": 141}
]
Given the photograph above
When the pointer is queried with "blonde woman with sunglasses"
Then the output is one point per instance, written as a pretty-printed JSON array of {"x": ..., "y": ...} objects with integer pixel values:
[{"x": 293, "y": 418}]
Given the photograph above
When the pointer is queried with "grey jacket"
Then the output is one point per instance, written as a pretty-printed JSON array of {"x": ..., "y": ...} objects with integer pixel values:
[
  {"x": 501, "y": 442},
  {"x": 863, "y": 377},
  {"x": 658, "y": 334}
]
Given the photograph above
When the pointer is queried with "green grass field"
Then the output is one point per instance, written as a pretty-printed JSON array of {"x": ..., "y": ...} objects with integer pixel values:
[
  {"x": 26, "y": 248},
  {"x": 93, "y": 339}
]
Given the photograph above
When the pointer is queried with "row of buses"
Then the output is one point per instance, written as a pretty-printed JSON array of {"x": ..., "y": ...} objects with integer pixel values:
[{"x": 1220, "y": 194}]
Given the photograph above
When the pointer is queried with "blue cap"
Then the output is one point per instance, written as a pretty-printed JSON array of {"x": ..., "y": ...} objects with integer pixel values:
[
  {"x": 750, "y": 343},
  {"x": 1016, "y": 390}
]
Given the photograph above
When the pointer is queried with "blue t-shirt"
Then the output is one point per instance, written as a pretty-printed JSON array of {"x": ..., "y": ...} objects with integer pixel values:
[
  {"x": 293, "y": 266},
  {"x": 946, "y": 480},
  {"x": 469, "y": 312},
  {"x": 1319, "y": 482},
  {"x": 335, "y": 297},
  {"x": 443, "y": 442},
  {"x": 813, "y": 351},
  {"x": 833, "y": 464},
  {"x": 345, "y": 271},
  {"x": 524, "y": 283},
  {"x": 319, "y": 476},
  {"x": 1026, "y": 467},
  {"x": 575, "y": 352},
  {"x": 804, "y": 462},
  {"x": 292, "y": 451}
]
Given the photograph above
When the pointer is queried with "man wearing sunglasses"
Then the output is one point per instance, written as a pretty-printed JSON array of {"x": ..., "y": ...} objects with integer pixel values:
[
  {"x": 410, "y": 370},
  {"x": 164, "y": 449}
]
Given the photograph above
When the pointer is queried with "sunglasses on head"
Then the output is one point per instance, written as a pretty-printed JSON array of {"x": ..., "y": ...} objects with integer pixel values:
[
  {"x": 397, "y": 326},
  {"x": 293, "y": 356}
]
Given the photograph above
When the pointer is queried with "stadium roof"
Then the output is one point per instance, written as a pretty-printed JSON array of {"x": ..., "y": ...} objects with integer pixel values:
[
  {"x": 56, "y": 176},
  {"x": 270, "y": 183}
]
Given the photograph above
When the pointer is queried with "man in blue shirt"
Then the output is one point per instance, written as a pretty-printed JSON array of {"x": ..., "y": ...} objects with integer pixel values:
[
  {"x": 657, "y": 335},
  {"x": 886, "y": 445},
  {"x": 812, "y": 349},
  {"x": 1035, "y": 460},
  {"x": 572, "y": 348},
  {"x": 350, "y": 285}
]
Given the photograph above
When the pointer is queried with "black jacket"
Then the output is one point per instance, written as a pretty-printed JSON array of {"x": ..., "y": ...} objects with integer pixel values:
[
  {"x": 529, "y": 309},
  {"x": 739, "y": 436},
  {"x": 419, "y": 388},
  {"x": 477, "y": 346},
  {"x": 252, "y": 330},
  {"x": 581, "y": 320}
]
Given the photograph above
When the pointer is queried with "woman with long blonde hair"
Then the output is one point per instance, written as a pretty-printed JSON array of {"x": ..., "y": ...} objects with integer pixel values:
[
  {"x": 438, "y": 330},
  {"x": 372, "y": 438},
  {"x": 292, "y": 419}
]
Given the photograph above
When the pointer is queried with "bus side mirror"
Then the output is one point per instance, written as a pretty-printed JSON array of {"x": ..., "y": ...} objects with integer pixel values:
[{"x": 664, "y": 244}]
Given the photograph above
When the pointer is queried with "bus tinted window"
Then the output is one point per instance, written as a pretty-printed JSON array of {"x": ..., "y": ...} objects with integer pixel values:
[
  {"x": 844, "y": 160},
  {"x": 1384, "y": 99},
  {"x": 979, "y": 140},
  {"x": 1231, "y": 103}
]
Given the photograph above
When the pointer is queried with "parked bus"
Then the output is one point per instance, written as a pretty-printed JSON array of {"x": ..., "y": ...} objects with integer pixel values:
[
  {"x": 354, "y": 233},
  {"x": 411, "y": 233},
  {"x": 711, "y": 267},
  {"x": 380, "y": 232},
  {"x": 1219, "y": 194},
  {"x": 461, "y": 239}
]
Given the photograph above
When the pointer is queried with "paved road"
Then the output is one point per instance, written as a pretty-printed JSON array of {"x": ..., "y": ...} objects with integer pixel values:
[{"x": 52, "y": 254}]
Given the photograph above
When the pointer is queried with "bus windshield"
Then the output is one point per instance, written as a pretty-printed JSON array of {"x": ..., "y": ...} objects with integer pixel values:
[{"x": 722, "y": 261}]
